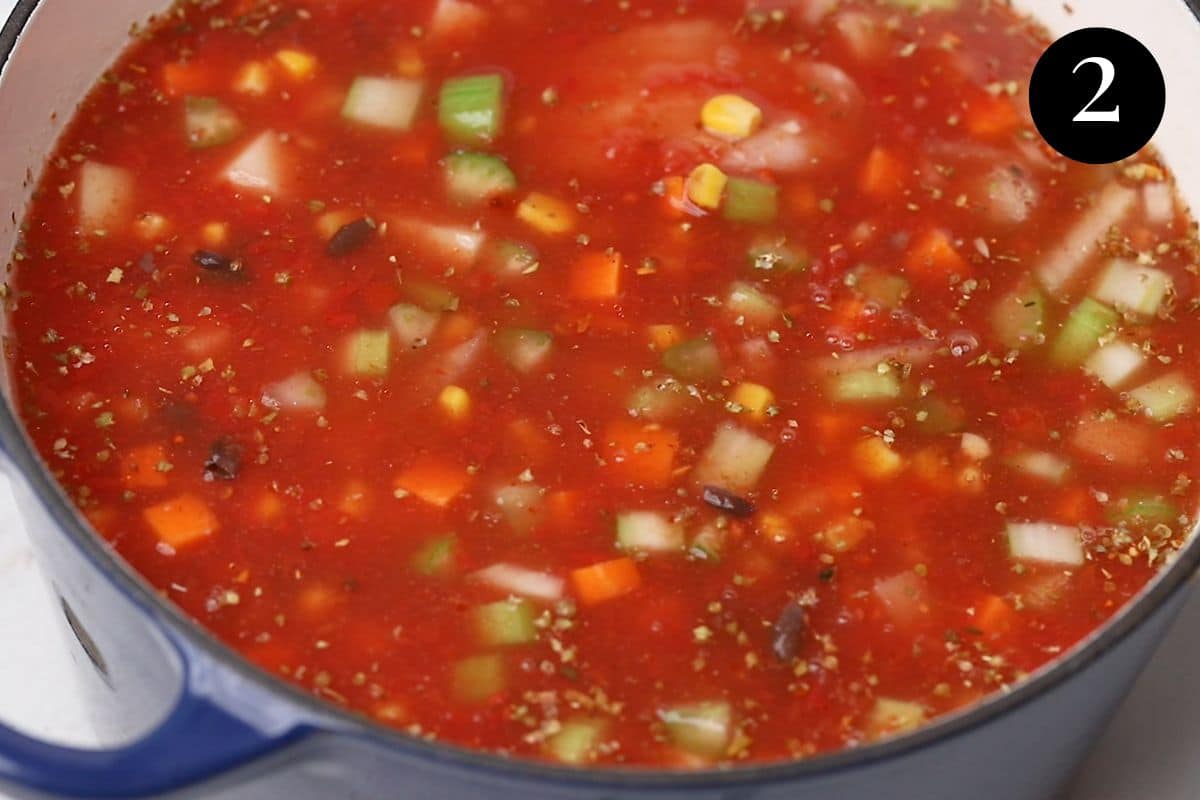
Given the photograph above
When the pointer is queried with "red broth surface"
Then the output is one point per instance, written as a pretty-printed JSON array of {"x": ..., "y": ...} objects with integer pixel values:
[{"x": 570, "y": 413}]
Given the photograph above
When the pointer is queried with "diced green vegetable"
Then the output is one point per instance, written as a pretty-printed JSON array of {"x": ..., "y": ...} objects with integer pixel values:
[
  {"x": 1131, "y": 287},
  {"x": 750, "y": 201},
  {"x": 520, "y": 504},
  {"x": 864, "y": 386},
  {"x": 369, "y": 353},
  {"x": 1144, "y": 508},
  {"x": 523, "y": 348},
  {"x": 657, "y": 401},
  {"x": 775, "y": 256},
  {"x": 479, "y": 678},
  {"x": 649, "y": 532},
  {"x": 511, "y": 259},
  {"x": 576, "y": 742},
  {"x": 1045, "y": 542},
  {"x": 471, "y": 109},
  {"x": 506, "y": 622},
  {"x": 1163, "y": 399},
  {"x": 703, "y": 729},
  {"x": 437, "y": 556},
  {"x": 1088, "y": 323},
  {"x": 389, "y": 103},
  {"x": 413, "y": 325},
  {"x": 476, "y": 177},
  {"x": 693, "y": 360},
  {"x": 936, "y": 416},
  {"x": 1019, "y": 317},
  {"x": 430, "y": 296},
  {"x": 209, "y": 123},
  {"x": 754, "y": 306},
  {"x": 735, "y": 460},
  {"x": 1115, "y": 363},
  {"x": 882, "y": 288},
  {"x": 709, "y": 543}
]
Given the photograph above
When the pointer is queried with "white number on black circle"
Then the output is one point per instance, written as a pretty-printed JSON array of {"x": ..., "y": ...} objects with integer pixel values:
[{"x": 1107, "y": 74}]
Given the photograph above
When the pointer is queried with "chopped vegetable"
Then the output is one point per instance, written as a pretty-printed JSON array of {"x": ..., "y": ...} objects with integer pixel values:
[
  {"x": 181, "y": 521},
  {"x": 259, "y": 167},
  {"x": 521, "y": 581},
  {"x": 523, "y": 348},
  {"x": 1081, "y": 334},
  {"x": 437, "y": 556},
  {"x": 520, "y": 504},
  {"x": 1042, "y": 465},
  {"x": 1130, "y": 287},
  {"x": 477, "y": 177},
  {"x": 1063, "y": 263},
  {"x": 702, "y": 729},
  {"x": 300, "y": 392},
  {"x": 1019, "y": 318},
  {"x": 865, "y": 386},
  {"x": 893, "y": 717},
  {"x": 596, "y": 276},
  {"x": 606, "y": 581},
  {"x": 750, "y": 201},
  {"x": 1115, "y": 363},
  {"x": 753, "y": 399},
  {"x": 433, "y": 480},
  {"x": 296, "y": 63},
  {"x": 640, "y": 454},
  {"x": 388, "y": 103},
  {"x": 209, "y": 123},
  {"x": 455, "y": 401},
  {"x": 648, "y": 532},
  {"x": 507, "y": 622},
  {"x": 368, "y": 353},
  {"x": 471, "y": 109},
  {"x": 413, "y": 325},
  {"x": 706, "y": 186},
  {"x": 576, "y": 742},
  {"x": 105, "y": 197},
  {"x": 479, "y": 678},
  {"x": 1045, "y": 542},
  {"x": 1144, "y": 508},
  {"x": 547, "y": 214},
  {"x": 752, "y": 305},
  {"x": 735, "y": 460},
  {"x": 695, "y": 360},
  {"x": 1163, "y": 399},
  {"x": 731, "y": 116}
]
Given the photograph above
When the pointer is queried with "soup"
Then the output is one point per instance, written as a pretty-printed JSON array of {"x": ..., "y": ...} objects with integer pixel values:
[{"x": 636, "y": 383}]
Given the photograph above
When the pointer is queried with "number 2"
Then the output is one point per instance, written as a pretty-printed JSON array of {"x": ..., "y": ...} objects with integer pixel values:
[{"x": 1108, "y": 73}]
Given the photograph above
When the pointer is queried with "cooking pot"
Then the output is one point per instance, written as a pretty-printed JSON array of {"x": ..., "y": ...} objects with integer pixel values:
[{"x": 188, "y": 718}]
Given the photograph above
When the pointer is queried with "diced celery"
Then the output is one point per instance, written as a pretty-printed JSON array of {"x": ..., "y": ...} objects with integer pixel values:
[
  {"x": 1131, "y": 287},
  {"x": 1163, "y": 399},
  {"x": 1019, "y": 317},
  {"x": 471, "y": 109},
  {"x": 750, "y": 201},
  {"x": 709, "y": 543},
  {"x": 936, "y": 416},
  {"x": 693, "y": 360},
  {"x": 430, "y": 296},
  {"x": 1115, "y": 363},
  {"x": 476, "y": 177},
  {"x": 299, "y": 392},
  {"x": 521, "y": 581},
  {"x": 511, "y": 259},
  {"x": 436, "y": 557},
  {"x": 1144, "y": 508},
  {"x": 506, "y": 622},
  {"x": 209, "y": 123},
  {"x": 864, "y": 386},
  {"x": 576, "y": 741},
  {"x": 756, "y": 307},
  {"x": 1045, "y": 542},
  {"x": 259, "y": 167},
  {"x": 649, "y": 532},
  {"x": 389, "y": 103},
  {"x": 734, "y": 460},
  {"x": 523, "y": 348},
  {"x": 774, "y": 255},
  {"x": 1038, "y": 464},
  {"x": 1088, "y": 323},
  {"x": 703, "y": 729},
  {"x": 369, "y": 353},
  {"x": 520, "y": 504},
  {"x": 413, "y": 325},
  {"x": 657, "y": 401},
  {"x": 882, "y": 288},
  {"x": 479, "y": 678}
]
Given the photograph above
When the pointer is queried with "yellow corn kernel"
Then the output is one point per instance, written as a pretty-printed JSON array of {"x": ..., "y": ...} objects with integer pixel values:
[
  {"x": 215, "y": 234},
  {"x": 664, "y": 337},
  {"x": 876, "y": 460},
  {"x": 409, "y": 63},
  {"x": 253, "y": 78},
  {"x": 151, "y": 226},
  {"x": 730, "y": 116},
  {"x": 706, "y": 185},
  {"x": 547, "y": 214},
  {"x": 754, "y": 398},
  {"x": 774, "y": 527},
  {"x": 298, "y": 63},
  {"x": 455, "y": 401}
]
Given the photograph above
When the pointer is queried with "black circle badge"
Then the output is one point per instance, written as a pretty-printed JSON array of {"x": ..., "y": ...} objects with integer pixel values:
[{"x": 1097, "y": 95}]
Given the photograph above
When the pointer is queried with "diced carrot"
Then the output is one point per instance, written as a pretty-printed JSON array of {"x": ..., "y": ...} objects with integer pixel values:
[
  {"x": 596, "y": 276},
  {"x": 932, "y": 255},
  {"x": 606, "y": 580},
  {"x": 182, "y": 78},
  {"x": 882, "y": 174},
  {"x": 675, "y": 197},
  {"x": 994, "y": 616},
  {"x": 434, "y": 480},
  {"x": 641, "y": 454},
  {"x": 664, "y": 337},
  {"x": 457, "y": 327},
  {"x": 140, "y": 467},
  {"x": 991, "y": 115},
  {"x": 182, "y": 520}
]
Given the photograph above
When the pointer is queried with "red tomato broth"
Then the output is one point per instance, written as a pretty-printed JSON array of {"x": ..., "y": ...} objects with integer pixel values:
[{"x": 312, "y": 564}]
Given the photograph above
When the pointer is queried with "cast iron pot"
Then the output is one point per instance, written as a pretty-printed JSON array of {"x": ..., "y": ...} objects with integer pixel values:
[{"x": 193, "y": 720}]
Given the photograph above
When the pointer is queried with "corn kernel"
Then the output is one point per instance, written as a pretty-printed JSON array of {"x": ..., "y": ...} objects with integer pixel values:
[
  {"x": 705, "y": 186},
  {"x": 664, "y": 337},
  {"x": 754, "y": 398},
  {"x": 730, "y": 117},
  {"x": 215, "y": 234},
  {"x": 297, "y": 63},
  {"x": 876, "y": 460},
  {"x": 548, "y": 214},
  {"x": 455, "y": 401},
  {"x": 253, "y": 78}
]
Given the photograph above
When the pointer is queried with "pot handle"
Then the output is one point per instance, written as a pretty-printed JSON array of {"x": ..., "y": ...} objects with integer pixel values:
[{"x": 197, "y": 740}]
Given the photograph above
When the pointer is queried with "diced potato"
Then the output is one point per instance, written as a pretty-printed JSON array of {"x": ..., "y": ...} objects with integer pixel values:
[
  {"x": 975, "y": 446},
  {"x": 892, "y": 717},
  {"x": 730, "y": 116},
  {"x": 297, "y": 63},
  {"x": 875, "y": 459},
  {"x": 455, "y": 401},
  {"x": 1131, "y": 287},
  {"x": 105, "y": 197},
  {"x": 735, "y": 460},
  {"x": 706, "y": 186},
  {"x": 754, "y": 399},
  {"x": 259, "y": 166},
  {"x": 547, "y": 214}
]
